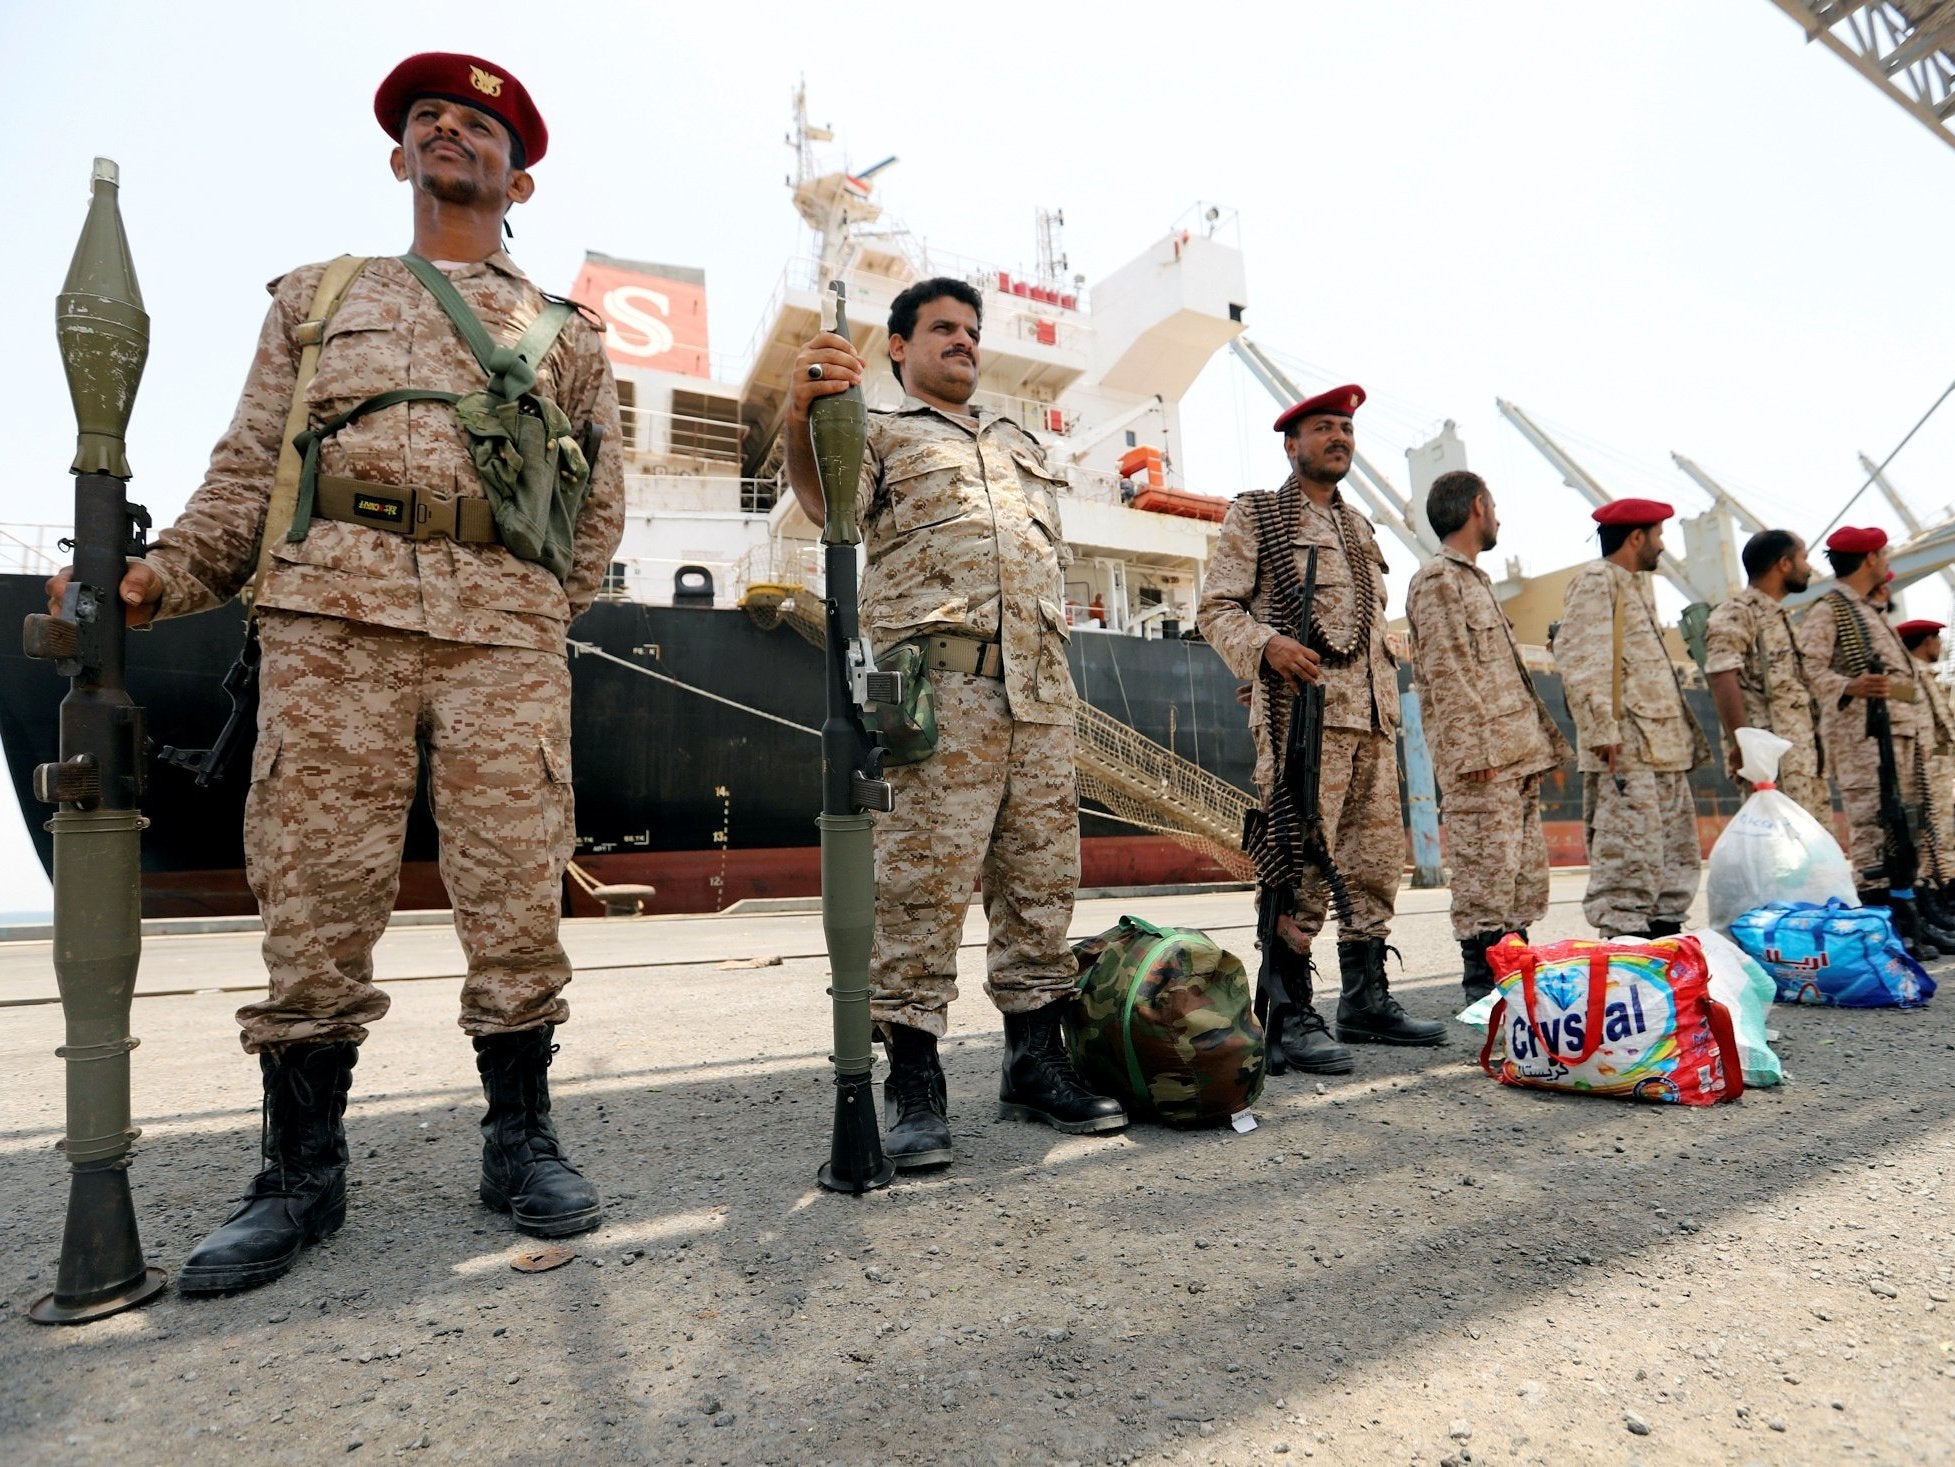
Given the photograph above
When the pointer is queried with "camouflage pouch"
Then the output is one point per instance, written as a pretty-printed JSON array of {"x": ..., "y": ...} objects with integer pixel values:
[
  {"x": 533, "y": 472},
  {"x": 906, "y": 730},
  {"x": 1165, "y": 1022}
]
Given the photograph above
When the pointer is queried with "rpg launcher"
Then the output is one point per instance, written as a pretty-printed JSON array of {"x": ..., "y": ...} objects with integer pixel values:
[
  {"x": 104, "y": 336},
  {"x": 851, "y": 786},
  {"x": 1296, "y": 823}
]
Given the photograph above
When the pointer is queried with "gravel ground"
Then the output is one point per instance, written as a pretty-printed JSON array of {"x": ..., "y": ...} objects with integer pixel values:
[{"x": 1410, "y": 1264}]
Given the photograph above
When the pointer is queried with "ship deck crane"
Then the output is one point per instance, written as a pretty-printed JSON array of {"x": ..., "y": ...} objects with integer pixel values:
[
  {"x": 1388, "y": 506},
  {"x": 1904, "y": 47},
  {"x": 1584, "y": 483}
]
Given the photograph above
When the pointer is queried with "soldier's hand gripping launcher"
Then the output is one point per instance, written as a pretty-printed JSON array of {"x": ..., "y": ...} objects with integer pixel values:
[
  {"x": 851, "y": 786},
  {"x": 104, "y": 336}
]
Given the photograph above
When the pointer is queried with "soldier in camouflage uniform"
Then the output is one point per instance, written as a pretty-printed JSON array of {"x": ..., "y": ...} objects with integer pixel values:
[
  {"x": 965, "y": 558},
  {"x": 380, "y": 646},
  {"x": 1841, "y": 637},
  {"x": 1937, "y": 757},
  {"x": 1637, "y": 739},
  {"x": 1344, "y": 648},
  {"x": 1757, "y": 673},
  {"x": 1491, "y": 736}
]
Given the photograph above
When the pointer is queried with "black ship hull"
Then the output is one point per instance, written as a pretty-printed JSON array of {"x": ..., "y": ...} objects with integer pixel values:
[{"x": 710, "y": 799}]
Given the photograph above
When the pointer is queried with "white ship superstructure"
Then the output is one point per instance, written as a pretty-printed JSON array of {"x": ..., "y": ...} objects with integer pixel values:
[{"x": 1097, "y": 374}]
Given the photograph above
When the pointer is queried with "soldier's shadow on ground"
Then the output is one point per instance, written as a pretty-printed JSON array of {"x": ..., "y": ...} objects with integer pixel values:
[{"x": 1046, "y": 1297}]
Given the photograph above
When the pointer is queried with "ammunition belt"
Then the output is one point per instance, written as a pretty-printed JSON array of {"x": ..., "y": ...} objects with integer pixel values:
[
  {"x": 963, "y": 654},
  {"x": 406, "y": 509}
]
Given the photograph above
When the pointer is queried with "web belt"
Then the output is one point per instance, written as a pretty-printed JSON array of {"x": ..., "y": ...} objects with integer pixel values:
[{"x": 406, "y": 509}]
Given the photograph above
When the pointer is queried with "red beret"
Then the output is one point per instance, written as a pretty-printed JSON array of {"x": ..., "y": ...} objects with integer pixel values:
[
  {"x": 1921, "y": 628},
  {"x": 1343, "y": 401},
  {"x": 1633, "y": 512},
  {"x": 1857, "y": 542},
  {"x": 469, "y": 80}
]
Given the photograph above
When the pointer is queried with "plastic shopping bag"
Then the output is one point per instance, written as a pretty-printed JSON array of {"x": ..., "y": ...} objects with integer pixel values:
[
  {"x": 1748, "y": 992},
  {"x": 1772, "y": 851},
  {"x": 1833, "y": 955}
]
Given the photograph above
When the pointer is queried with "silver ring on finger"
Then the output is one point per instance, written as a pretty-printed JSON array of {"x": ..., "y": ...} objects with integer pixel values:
[{"x": 815, "y": 373}]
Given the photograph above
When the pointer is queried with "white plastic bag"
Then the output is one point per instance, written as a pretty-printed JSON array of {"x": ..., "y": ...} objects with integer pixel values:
[
  {"x": 1772, "y": 851},
  {"x": 1748, "y": 991}
]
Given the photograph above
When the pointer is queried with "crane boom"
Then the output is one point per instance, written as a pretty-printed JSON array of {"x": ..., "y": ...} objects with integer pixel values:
[{"x": 1904, "y": 47}]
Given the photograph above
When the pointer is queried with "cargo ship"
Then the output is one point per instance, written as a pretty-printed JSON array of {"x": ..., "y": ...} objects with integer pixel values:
[{"x": 697, "y": 674}]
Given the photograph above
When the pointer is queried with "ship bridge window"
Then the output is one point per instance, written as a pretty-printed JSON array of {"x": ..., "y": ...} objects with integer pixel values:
[
  {"x": 1235, "y": 311},
  {"x": 705, "y": 426},
  {"x": 614, "y": 574},
  {"x": 628, "y": 413},
  {"x": 1133, "y": 439}
]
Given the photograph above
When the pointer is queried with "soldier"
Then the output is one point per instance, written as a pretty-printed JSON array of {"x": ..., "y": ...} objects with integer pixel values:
[
  {"x": 1344, "y": 649},
  {"x": 1636, "y": 737},
  {"x": 1937, "y": 758},
  {"x": 965, "y": 558},
  {"x": 1757, "y": 675},
  {"x": 1851, "y": 657},
  {"x": 1491, "y": 736},
  {"x": 395, "y": 624}
]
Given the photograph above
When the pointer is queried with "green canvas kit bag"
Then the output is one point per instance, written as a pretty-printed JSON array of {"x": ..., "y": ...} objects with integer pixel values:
[{"x": 1164, "y": 1021}]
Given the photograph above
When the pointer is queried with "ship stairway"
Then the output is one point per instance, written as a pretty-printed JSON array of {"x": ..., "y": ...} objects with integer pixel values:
[{"x": 1135, "y": 780}]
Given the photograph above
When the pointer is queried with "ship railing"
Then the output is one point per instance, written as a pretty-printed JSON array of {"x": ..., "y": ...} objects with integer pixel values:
[
  {"x": 658, "y": 432},
  {"x": 686, "y": 490},
  {"x": 32, "y": 549},
  {"x": 1095, "y": 484}
]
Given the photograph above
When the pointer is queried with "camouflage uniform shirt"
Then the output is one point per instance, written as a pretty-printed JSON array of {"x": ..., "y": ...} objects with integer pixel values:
[
  {"x": 1628, "y": 697},
  {"x": 389, "y": 332},
  {"x": 1236, "y": 617},
  {"x": 1480, "y": 707},
  {"x": 1751, "y": 635},
  {"x": 963, "y": 537},
  {"x": 1843, "y": 720}
]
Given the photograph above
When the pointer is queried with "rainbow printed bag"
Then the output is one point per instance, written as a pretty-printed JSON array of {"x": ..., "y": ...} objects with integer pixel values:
[{"x": 1611, "y": 1018}]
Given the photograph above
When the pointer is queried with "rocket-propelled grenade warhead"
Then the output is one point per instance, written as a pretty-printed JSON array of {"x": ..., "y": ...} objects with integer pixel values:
[
  {"x": 839, "y": 424},
  {"x": 103, "y": 331}
]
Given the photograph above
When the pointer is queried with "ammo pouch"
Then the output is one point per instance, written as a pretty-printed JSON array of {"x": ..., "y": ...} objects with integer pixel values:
[
  {"x": 907, "y": 730},
  {"x": 533, "y": 470}
]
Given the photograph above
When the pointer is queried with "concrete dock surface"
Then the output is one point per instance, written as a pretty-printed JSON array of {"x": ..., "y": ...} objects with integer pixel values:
[{"x": 1410, "y": 1264}]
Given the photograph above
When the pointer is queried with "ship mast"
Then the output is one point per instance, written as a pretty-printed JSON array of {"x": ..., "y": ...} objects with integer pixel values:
[{"x": 831, "y": 204}]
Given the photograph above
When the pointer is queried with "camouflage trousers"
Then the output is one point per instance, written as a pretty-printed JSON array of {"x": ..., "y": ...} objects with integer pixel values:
[
  {"x": 1498, "y": 856},
  {"x": 1643, "y": 855},
  {"x": 344, "y": 712},
  {"x": 1365, "y": 829},
  {"x": 996, "y": 804},
  {"x": 1941, "y": 804},
  {"x": 1809, "y": 790},
  {"x": 1860, "y": 799}
]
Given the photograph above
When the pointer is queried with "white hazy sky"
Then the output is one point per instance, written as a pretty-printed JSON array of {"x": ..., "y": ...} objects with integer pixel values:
[{"x": 1665, "y": 226}]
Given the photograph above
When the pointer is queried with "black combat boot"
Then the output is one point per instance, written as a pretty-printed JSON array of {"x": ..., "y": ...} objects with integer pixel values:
[
  {"x": 916, "y": 1107},
  {"x": 300, "y": 1196},
  {"x": 1907, "y": 925},
  {"x": 1476, "y": 973},
  {"x": 1664, "y": 928},
  {"x": 1933, "y": 918},
  {"x": 1040, "y": 1083},
  {"x": 524, "y": 1170},
  {"x": 1302, "y": 1037},
  {"x": 1366, "y": 1012}
]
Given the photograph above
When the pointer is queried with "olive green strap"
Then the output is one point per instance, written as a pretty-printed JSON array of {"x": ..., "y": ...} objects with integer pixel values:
[
  {"x": 307, "y": 444},
  {"x": 511, "y": 369},
  {"x": 311, "y": 332}
]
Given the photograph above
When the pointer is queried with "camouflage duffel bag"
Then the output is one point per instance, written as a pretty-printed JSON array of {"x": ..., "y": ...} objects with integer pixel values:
[{"x": 1164, "y": 1022}]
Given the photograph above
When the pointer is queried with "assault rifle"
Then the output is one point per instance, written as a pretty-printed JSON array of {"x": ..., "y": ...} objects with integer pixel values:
[
  {"x": 1900, "y": 851},
  {"x": 1302, "y": 787}
]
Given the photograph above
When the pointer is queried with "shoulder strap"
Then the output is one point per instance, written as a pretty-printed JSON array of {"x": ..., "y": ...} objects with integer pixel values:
[
  {"x": 1615, "y": 647},
  {"x": 511, "y": 370},
  {"x": 331, "y": 290}
]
